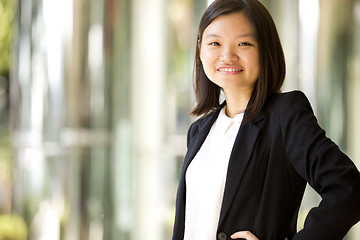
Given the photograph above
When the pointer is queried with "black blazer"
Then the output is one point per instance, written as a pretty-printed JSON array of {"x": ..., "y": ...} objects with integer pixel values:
[{"x": 272, "y": 159}]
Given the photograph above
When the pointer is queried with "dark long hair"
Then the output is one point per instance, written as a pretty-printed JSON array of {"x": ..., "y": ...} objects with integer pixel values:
[{"x": 271, "y": 57}]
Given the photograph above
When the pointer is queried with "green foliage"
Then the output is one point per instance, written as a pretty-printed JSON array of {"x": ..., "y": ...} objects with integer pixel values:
[
  {"x": 12, "y": 227},
  {"x": 6, "y": 34}
]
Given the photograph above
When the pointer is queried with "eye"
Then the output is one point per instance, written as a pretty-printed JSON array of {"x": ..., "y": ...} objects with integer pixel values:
[
  {"x": 214, "y": 44},
  {"x": 245, "y": 44}
]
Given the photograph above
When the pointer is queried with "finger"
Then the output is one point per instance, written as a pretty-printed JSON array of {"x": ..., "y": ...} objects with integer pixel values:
[{"x": 244, "y": 234}]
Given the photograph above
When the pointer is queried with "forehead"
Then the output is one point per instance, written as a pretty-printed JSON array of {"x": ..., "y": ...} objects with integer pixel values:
[{"x": 235, "y": 24}]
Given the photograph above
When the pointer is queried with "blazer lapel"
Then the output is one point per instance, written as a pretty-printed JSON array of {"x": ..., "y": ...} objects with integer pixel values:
[
  {"x": 197, "y": 139},
  {"x": 202, "y": 132},
  {"x": 239, "y": 159}
]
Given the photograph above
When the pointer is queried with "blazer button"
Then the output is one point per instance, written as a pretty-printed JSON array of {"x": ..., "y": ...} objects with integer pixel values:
[{"x": 222, "y": 236}]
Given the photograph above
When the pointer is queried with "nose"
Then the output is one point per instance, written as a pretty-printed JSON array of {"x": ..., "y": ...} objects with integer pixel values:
[{"x": 229, "y": 56}]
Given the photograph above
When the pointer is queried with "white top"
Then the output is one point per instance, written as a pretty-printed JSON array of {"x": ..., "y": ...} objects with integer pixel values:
[{"x": 205, "y": 179}]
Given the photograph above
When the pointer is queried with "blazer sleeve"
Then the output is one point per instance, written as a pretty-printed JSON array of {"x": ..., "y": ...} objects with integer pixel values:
[{"x": 321, "y": 163}]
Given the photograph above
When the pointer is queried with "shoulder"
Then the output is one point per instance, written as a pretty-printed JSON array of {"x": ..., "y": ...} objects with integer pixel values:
[
  {"x": 208, "y": 118},
  {"x": 288, "y": 102},
  {"x": 286, "y": 109},
  {"x": 288, "y": 97},
  {"x": 203, "y": 123}
]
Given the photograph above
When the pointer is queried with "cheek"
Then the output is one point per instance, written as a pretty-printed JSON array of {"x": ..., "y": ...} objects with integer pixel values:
[
  {"x": 206, "y": 65},
  {"x": 254, "y": 60},
  {"x": 207, "y": 59},
  {"x": 203, "y": 56},
  {"x": 204, "y": 60},
  {"x": 206, "y": 55}
]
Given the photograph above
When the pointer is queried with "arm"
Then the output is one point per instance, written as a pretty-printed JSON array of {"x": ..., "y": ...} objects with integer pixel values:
[{"x": 329, "y": 171}]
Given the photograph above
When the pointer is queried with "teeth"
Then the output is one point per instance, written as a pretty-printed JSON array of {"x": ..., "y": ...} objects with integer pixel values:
[{"x": 230, "y": 70}]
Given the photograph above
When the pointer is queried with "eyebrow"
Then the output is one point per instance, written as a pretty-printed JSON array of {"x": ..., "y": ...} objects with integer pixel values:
[{"x": 239, "y": 36}]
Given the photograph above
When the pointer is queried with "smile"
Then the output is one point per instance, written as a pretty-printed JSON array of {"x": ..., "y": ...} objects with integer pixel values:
[{"x": 230, "y": 70}]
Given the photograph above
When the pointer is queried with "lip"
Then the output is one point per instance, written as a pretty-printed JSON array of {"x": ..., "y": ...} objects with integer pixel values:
[{"x": 229, "y": 69}]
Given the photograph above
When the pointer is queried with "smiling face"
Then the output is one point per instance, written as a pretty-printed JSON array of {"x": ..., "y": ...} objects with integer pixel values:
[{"x": 229, "y": 53}]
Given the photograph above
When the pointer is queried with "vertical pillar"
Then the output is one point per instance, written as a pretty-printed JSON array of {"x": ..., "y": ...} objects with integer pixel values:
[
  {"x": 309, "y": 24},
  {"x": 288, "y": 26},
  {"x": 333, "y": 67},
  {"x": 148, "y": 73}
]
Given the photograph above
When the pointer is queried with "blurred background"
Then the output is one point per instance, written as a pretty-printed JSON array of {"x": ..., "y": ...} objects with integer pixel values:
[{"x": 94, "y": 103}]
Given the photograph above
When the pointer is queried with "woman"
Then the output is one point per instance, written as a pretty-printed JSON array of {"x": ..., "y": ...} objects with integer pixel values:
[{"x": 249, "y": 159}]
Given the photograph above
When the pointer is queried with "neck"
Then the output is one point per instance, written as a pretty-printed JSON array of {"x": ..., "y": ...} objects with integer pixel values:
[{"x": 236, "y": 103}]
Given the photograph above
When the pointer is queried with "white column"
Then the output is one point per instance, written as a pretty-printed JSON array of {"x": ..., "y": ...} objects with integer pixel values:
[
  {"x": 147, "y": 84},
  {"x": 287, "y": 22},
  {"x": 309, "y": 22}
]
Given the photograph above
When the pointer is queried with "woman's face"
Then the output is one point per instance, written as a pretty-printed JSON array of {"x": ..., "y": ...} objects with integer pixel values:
[{"x": 229, "y": 53}]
